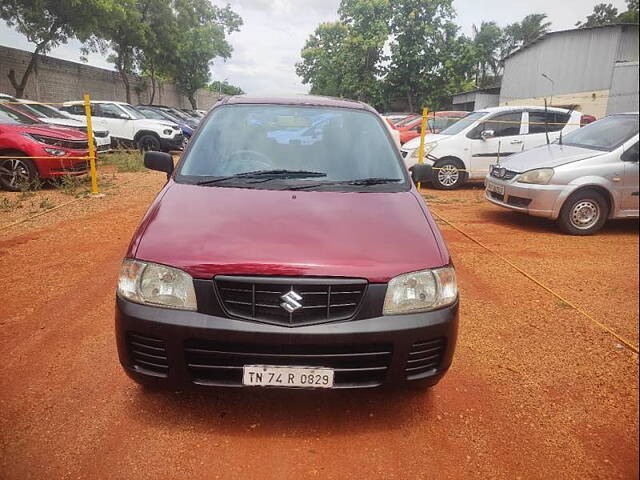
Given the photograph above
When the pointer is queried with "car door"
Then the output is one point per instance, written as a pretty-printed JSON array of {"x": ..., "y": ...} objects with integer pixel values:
[
  {"x": 116, "y": 120},
  {"x": 538, "y": 123},
  {"x": 499, "y": 134},
  {"x": 630, "y": 199}
]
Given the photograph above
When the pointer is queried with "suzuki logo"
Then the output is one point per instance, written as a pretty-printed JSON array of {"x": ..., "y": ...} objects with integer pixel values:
[{"x": 291, "y": 301}]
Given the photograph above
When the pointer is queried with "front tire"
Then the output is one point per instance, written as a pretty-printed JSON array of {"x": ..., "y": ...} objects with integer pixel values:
[
  {"x": 17, "y": 173},
  {"x": 149, "y": 142},
  {"x": 583, "y": 213},
  {"x": 448, "y": 174}
]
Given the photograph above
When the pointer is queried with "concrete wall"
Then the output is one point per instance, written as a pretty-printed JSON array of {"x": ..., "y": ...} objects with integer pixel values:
[
  {"x": 60, "y": 80},
  {"x": 590, "y": 103}
]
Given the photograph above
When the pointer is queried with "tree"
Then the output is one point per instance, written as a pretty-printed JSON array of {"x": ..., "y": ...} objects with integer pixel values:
[
  {"x": 422, "y": 32},
  {"x": 225, "y": 88},
  {"x": 202, "y": 29},
  {"x": 631, "y": 15},
  {"x": 322, "y": 59},
  {"x": 531, "y": 27},
  {"x": 488, "y": 42},
  {"x": 603, "y": 14},
  {"x": 50, "y": 23}
]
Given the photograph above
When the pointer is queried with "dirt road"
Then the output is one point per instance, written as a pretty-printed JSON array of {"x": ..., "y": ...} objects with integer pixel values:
[{"x": 535, "y": 391}]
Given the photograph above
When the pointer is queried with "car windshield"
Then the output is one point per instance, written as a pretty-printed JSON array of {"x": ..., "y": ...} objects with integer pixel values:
[
  {"x": 47, "y": 111},
  {"x": 8, "y": 115},
  {"x": 133, "y": 112},
  {"x": 280, "y": 147},
  {"x": 606, "y": 134},
  {"x": 463, "y": 123},
  {"x": 152, "y": 114}
]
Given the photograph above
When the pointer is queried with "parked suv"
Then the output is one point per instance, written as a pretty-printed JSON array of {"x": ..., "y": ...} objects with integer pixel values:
[
  {"x": 465, "y": 150},
  {"x": 54, "y": 150},
  {"x": 587, "y": 178},
  {"x": 266, "y": 261},
  {"x": 128, "y": 127}
]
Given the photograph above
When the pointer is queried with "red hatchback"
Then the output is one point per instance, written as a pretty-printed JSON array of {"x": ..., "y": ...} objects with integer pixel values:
[
  {"x": 436, "y": 122},
  {"x": 289, "y": 248},
  {"x": 53, "y": 150}
]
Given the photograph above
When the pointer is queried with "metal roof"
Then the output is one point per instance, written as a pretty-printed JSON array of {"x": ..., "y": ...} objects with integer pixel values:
[{"x": 549, "y": 34}]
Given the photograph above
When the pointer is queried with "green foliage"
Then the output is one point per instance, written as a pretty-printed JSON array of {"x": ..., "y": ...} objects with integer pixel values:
[
  {"x": 603, "y": 14},
  {"x": 225, "y": 88},
  {"x": 125, "y": 161}
]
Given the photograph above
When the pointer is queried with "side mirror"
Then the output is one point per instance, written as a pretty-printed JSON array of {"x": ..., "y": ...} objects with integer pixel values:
[
  {"x": 486, "y": 134},
  {"x": 421, "y": 172},
  {"x": 160, "y": 161}
]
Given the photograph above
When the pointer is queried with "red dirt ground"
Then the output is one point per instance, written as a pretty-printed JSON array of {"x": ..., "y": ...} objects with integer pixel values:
[{"x": 536, "y": 390}]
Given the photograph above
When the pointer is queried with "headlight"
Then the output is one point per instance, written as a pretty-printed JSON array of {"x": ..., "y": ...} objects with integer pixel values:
[
  {"x": 55, "y": 151},
  {"x": 428, "y": 148},
  {"x": 159, "y": 285},
  {"x": 540, "y": 176},
  {"x": 168, "y": 132},
  {"x": 421, "y": 291}
]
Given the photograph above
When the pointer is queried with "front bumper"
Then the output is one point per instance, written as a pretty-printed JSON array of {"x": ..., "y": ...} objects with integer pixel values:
[
  {"x": 179, "y": 349},
  {"x": 52, "y": 166},
  {"x": 538, "y": 200},
  {"x": 173, "y": 143}
]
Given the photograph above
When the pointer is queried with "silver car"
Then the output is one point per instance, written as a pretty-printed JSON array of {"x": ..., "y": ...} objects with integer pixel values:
[{"x": 581, "y": 180}]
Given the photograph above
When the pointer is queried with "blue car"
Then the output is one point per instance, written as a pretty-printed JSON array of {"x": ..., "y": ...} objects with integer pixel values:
[{"x": 160, "y": 114}]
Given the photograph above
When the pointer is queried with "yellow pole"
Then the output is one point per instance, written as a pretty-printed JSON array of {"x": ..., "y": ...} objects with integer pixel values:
[
  {"x": 423, "y": 132},
  {"x": 92, "y": 149}
]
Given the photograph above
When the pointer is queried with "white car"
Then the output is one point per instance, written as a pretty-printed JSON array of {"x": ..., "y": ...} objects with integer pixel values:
[
  {"x": 465, "y": 150},
  {"x": 53, "y": 116},
  {"x": 129, "y": 127}
]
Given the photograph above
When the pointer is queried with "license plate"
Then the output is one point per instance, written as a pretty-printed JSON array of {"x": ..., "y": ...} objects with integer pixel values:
[
  {"x": 276, "y": 376},
  {"x": 492, "y": 187}
]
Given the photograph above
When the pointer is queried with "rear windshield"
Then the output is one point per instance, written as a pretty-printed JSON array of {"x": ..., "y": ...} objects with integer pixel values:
[
  {"x": 7, "y": 115},
  {"x": 606, "y": 134},
  {"x": 463, "y": 123},
  {"x": 336, "y": 145}
]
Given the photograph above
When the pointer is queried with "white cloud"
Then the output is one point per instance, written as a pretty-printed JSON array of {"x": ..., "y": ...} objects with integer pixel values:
[{"x": 274, "y": 31}]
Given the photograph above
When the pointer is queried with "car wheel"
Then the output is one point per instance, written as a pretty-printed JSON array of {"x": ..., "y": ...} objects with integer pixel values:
[
  {"x": 149, "y": 142},
  {"x": 448, "y": 175},
  {"x": 17, "y": 173},
  {"x": 584, "y": 213}
]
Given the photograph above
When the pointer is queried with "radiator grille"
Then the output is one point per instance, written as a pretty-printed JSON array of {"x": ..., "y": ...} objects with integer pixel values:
[
  {"x": 260, "y": 298},
  {"x": 424, "y": 356},
  {"x": 214, "y": 363}
]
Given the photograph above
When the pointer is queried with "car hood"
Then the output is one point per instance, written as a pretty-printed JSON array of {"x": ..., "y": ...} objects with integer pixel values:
[
  {"x": 548, "y": 156},
  {"x": 207, "y": 230},
  {"x": 151, "y": 123},
  {"x": 65, "y": 122},
  {"x": 431, "y": 137},
  {"x": 55, "y": 131}
]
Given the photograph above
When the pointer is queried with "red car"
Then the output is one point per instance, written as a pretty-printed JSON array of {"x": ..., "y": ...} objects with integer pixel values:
[
  {"x": 436, "y": 122},
  {"x": 290, "y": 264},
  {"x": 53, "y": 150}
]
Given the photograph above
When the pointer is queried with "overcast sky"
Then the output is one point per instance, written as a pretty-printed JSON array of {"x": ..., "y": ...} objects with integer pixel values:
[{"x": 274, "y": 31}]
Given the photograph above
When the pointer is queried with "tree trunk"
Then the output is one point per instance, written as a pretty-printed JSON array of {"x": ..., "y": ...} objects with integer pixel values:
[
  {"x": 410, "y": 101},
  {"x": 127, "y": 87},
  {"x": 192, "y": 101},
  {"x": 20, "y": 87}
]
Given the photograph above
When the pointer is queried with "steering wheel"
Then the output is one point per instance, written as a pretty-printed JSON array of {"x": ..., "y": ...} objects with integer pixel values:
[{"x": 242, "y": 158}]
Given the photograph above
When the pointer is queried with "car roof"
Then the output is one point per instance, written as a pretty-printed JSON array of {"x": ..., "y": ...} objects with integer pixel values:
[
  {"x": 305, "y": 100},
  {"x": 507, "y": 108},
  {"x": 79, "y": 102}
]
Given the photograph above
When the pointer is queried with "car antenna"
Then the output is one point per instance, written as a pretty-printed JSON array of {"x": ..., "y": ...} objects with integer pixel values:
[{"x": 546, "y": 121}]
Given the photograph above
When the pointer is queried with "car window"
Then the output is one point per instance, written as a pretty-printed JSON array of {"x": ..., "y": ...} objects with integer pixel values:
[
  {"x": 555, "y": 121},
  {"x": 606, "y": 134},
  {"x": 631, "y": 153},
  {"x": 463, "y": 123},
  {"x": 9, "y": 115},
  {"x": 132, "y": 111},
  {"x": 502, "y": 124},
  {"x": 47, "y": 111},
  {"x": 106, "y": 110},
  {"x": 73, "y": 109},
  {"x": 341, "y": 144}
]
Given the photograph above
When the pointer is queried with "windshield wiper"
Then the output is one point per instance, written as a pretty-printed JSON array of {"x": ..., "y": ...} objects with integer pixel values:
[
  {"x": 365, "y": 182},
  {"x": 281, "y": 173}
]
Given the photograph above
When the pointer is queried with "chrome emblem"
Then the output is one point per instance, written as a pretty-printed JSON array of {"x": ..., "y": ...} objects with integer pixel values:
[{"x": 291, "y": 301}]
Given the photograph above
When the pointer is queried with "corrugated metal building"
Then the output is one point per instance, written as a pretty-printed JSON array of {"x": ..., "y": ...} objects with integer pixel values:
[
  {"x": 476, "y": 99},
  {"x": 594, "y": 70}
]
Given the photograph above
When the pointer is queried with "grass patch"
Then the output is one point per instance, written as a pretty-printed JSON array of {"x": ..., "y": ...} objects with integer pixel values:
[
  {"x": 7, "y": 205},
  {"x": 124, "y": 161}
]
